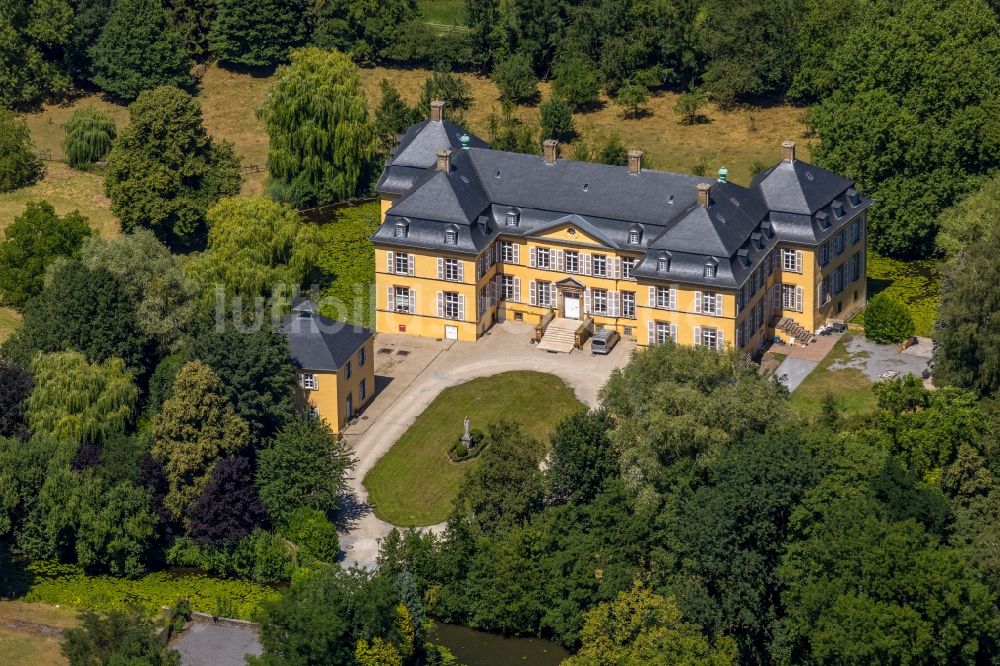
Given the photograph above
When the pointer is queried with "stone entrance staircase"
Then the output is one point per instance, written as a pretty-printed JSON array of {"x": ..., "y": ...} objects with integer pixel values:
[
  {"x": 560, "y": 335},
  {"x": 801, "y": 335}
]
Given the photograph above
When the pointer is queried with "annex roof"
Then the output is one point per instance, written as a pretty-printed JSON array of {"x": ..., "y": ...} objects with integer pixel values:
[{"x": 322, "y": 344}]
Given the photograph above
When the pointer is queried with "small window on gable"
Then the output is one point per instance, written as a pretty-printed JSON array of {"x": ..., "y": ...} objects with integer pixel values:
[
  {"x": 757, "y": 240},
  {"x": 710, "y": 267},
  {"x": 663, "y": 263},
  {"x": 635, "y": 235},
  {"x": 823, "y": 219},
  {"x": 513, "y": 217},
  {"x": 402, "y": 229},
  {"x": 853, "y": 195},
  {"x": 451, "y": 236},
  {"x": 838, "y": 208}
]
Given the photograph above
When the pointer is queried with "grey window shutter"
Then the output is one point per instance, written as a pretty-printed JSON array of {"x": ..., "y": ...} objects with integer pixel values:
[
  {"x": 552, "y": 294},
  {"x": 411, "y": 260},
  {"x": 720, "y": 341},
  {"x": 391, "y": 298},
  {"x": 697, "y": 336},
  {"x": 517, "y": 290},
  {"x": 673, "y": 332},
  {"x": 719, "y": 305},
  {"x": 533, "y": 256},
  {"x": 461, "y": 271},
  {"x": 585, "y": 260},
  {"x": 586, "y": 300},
  {"x": 673, "y": 299},
  {"x": 798, "y": 299},
  {"x": 390, "y": 261},
  {"x": 618, "y": 268},
  {"x": 531, "y": 293},
  {"x": 652, "y": 297},
  {"x": 650, "y": 332},
  {"x": 440, "y": 302},
  {"x": 517, "y": 253},
  {"x": 440, "y": 268},
  {"x": 413, "y": 301},
  {"x": 697, "y": 301},
  {"x": 798, "y": 261},
  {"x": 614, "y": 303},
  {"x": 461, "y": 307}
]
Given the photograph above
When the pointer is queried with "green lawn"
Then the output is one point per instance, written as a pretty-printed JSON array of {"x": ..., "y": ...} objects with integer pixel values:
[
  {"x": 21, "y": 648},
  {"x": 849, "y": 386},
  {"x": 415, "y": 483},
  {"x": 443, "y": 12}
]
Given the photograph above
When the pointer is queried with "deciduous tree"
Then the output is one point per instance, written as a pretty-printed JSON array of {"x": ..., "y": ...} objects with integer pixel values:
[
  {"x": 321, "y": 136},
  {"x": 116, "y": 638},
  {"x": 392, "y": 117},
  {"x": 32, "y": 38},
  {"x": 31, "y": 242},
  {"x": 89, "y": 134},
  {"x": 15, "y": 387},
  {"x": 577, "y": 81},
  {"x": 304, "y": 467},
  {"x": 77, "y": 401},
  {"x": 257, "y": 33},
  {"x": 515, "y": 77},
  {"x": 115, "y": 527},
  {"x": 887, "y": 320},
  {"x": 196, "y": 427},
  {"x": 916, "y": 133},
  {"x": 18, "y": 164},
  {"x": 164, "y": 171},
  {"x": 138, "y": 50},
  {"x": 557, "y": 120},
  {"x": 370, "y": 30},
  {"x": 255, "y": 246},
  {"x": 229, "y": 508}
]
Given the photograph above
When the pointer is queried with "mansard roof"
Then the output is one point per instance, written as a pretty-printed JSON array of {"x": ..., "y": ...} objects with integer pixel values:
[
  {"x": 790, "y": 202},
  {"x": 417, "y": 150}
]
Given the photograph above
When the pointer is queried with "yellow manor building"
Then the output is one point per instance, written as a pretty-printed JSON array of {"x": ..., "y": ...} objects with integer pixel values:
[{"x": 471, "y": 236}]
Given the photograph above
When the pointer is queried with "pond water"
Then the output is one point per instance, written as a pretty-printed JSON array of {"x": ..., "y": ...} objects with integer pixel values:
[{"x": 478, "y": 648}]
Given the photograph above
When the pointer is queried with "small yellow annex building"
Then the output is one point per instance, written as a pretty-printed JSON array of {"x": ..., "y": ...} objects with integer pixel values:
[
  {"x": 471, "y": 236},
  {"x": 334, "y": 362}
]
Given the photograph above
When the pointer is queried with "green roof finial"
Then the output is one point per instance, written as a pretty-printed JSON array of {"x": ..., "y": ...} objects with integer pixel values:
[
  {"x": 464, "y": 140},
  {"x": 723, "y": 172}
]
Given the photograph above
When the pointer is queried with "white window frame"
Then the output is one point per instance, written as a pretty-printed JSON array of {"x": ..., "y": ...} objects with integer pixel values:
[
  {"x": 452, "y": 270},
  {"x": 308, "y": 381},
  {"x": 543, "y": 252},
  {"x": 599, "y": 300},
  {"x": 628, "y": 265},
  {"x": 663, "y": 331},
  {"x": 402, "y": 264},
  {"x": 628, "y": 304},
  {"x": 600, "y": 265},
  {"x": 572, "y": 261},
  {"x": 452, "y": 305},
  {"x": 508, "y": 252}
]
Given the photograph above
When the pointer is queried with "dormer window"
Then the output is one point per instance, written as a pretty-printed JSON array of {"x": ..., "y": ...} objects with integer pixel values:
[
  {"x": 513, "y": 217},
  {"x": 663, "y": 263},
  {"x": 853, "y": 195},
  {"x": 402, "y": 229},
  {"x": 635, "y": 235},
  {"x": 451, "y": 236},
  {"x": 765, "y": 227},
  {"x": 823, "y": 219},
  {"x": 711, "y": 266},
  {"x": 757, "y": 240},
  {"x": 744, "y": 256},
  {"x": 838, "y": 208}
]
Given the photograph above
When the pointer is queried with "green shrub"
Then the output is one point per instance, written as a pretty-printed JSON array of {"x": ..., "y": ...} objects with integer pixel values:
[
  {"x": 515, "y": 77},
  {"x": 557, "y": 120},
  {"x": 53, "y": 583},
  {"x": 313, "y": 533},
  {"x": 887, "y": 320},
  {"x": 262, "y": 557},
  {"x": 89, "y": 134}
]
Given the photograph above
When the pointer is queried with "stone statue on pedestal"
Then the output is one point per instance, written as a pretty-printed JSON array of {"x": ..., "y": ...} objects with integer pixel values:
[{"x": 467, "y": 435}]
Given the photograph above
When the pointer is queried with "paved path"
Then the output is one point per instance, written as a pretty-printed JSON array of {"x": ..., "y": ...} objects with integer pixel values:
[
  {"x": 793, "y": 371},
  {"x": 505, "y": 348},
  {"x": 216, "y": 645}
]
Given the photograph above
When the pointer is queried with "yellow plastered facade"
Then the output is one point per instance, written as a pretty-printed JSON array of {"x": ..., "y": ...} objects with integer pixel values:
[
  {"x": 688, "y": 323},
  {"x": 339, "y": 396}
]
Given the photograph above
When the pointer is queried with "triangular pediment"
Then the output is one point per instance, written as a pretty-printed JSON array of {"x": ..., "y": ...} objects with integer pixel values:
[
  {"x": 570, "y": 283},
  {"x": 575, "y": 229}
]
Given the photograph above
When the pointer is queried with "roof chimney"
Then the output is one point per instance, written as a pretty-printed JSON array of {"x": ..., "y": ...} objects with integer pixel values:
[
  {"x": 703, "y": 189},
  {"x": 550, "y": 147},
  {"x": 788, "y": 151},
  {"x": 444, "y": 160},
  {"x": 634, "y": 161},
  {"x": 437, "y": 111}
]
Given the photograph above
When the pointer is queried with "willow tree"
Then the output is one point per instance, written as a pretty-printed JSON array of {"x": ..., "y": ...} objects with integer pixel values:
[
  {"x": 89, "y": 134},
  {"x": 255, "y": 245},
  {"x": 74, "y": 400},
  {"x": 322, "y": 139}
]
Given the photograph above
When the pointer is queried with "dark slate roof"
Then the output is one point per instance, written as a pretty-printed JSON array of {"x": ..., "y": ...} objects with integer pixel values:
[
  {"x": 611, "y": 191},
  {"x": 417, "y": 150},
  {"x": 318, "y": 343},
  {"x": 797, "y": 187},
  {"x": 720, "y": 229},
  {"x": 455, "y": 197}
]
